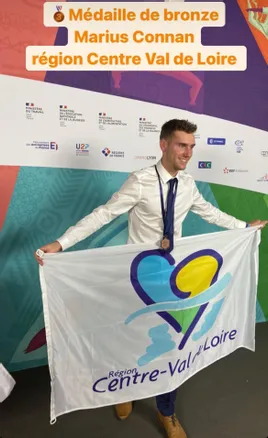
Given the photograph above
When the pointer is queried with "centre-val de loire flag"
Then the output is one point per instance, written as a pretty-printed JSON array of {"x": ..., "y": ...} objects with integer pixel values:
[{"x": 130, "y": 322}]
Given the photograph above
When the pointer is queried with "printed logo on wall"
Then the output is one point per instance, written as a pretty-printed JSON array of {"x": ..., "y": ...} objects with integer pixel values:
[
  {"x": 144, "y": 157},
  {"x": 204, "y": 164},
  {"x": 264, "y": 153},
  {"x": 113, "y": 154},
  {"x": 263, "y": 178},
  {"x": 68, "y": 116},
  {"x": 53, "y": 146},
  {"x": 32, "y": 111},
  {"x": 216, "y": 141},
  {"x": 147, "y": 127},
  {"x": 48, "y": 145},
  {"x": 82, "y": 149},
  {"x": 106, "y": 121},
  {"x": 239, "y": 146},
  {"x": 106, "y": 152},
  {"x": 231, "y": 170}
]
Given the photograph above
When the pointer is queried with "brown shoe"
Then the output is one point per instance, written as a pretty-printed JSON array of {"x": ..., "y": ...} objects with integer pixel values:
[
  {"x": 172, "y": 426},
  {"x": 123, "y": 410}
]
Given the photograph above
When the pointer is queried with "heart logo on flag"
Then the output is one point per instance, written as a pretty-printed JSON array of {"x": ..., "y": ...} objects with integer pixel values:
[{"x": 156, "y": 279}]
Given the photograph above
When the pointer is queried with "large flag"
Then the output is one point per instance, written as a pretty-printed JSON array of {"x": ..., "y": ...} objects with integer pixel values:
[{"x": 130, "y": 322}]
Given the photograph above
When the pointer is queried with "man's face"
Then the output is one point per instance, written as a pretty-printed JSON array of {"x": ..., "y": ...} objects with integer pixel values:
[{"x": 177, "y": 150}]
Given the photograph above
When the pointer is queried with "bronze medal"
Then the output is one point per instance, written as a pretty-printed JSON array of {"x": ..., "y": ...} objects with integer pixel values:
[
  {"x": 58, "y": 17},
  {"x": 165, "y": 243}
]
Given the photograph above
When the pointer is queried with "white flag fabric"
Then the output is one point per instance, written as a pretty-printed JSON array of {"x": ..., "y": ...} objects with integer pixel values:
[
  {"x": 7, "y": 383},
  {"x": 130, "y": 322}
]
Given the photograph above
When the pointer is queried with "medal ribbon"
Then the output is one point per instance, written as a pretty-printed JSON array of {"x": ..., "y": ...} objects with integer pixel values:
[{"x": 168, "y": 215}]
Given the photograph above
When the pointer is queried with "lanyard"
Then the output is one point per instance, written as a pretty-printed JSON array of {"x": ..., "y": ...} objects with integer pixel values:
[{"x": 164, "y": 213}]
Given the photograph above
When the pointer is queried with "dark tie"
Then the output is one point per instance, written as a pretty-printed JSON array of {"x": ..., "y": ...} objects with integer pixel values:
[{"x": 169, "y": 222}]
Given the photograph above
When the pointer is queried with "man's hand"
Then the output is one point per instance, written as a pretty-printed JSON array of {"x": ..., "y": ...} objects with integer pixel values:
[
  {"x": 259, "y": 223},
  {"x": 50, "y": 248}
]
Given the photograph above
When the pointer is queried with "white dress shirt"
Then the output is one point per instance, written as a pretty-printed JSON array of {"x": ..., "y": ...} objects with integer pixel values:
[{"x": 140, "y": 197}]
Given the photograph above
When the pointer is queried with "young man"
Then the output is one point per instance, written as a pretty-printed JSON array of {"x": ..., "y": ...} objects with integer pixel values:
[{"x": 157, "y": 198}]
